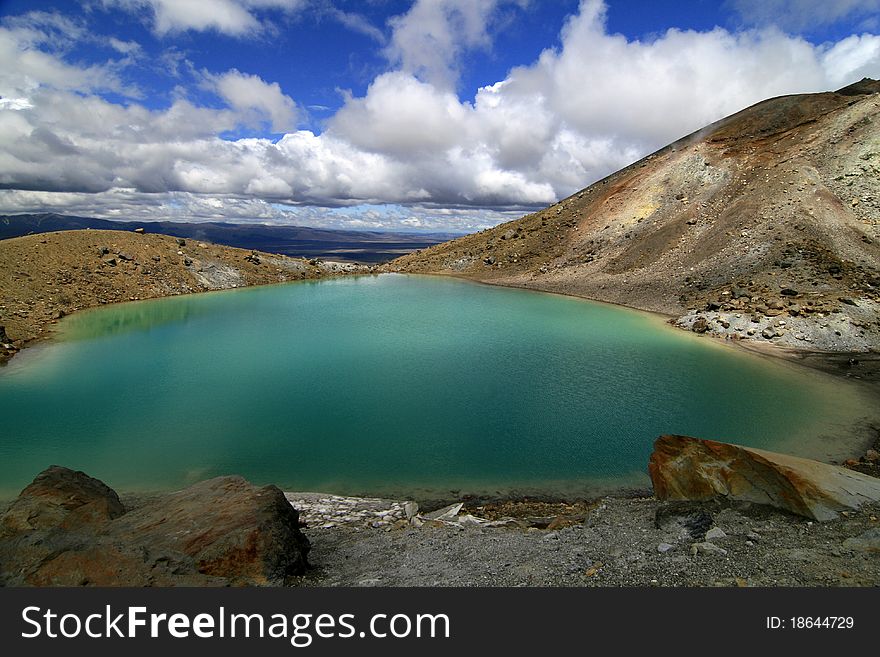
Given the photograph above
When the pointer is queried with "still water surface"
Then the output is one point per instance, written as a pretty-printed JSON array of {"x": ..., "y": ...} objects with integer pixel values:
[{"x": 391, "y": 384}]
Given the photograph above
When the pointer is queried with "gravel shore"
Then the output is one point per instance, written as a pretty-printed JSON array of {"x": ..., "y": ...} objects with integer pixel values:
[{"x": 618, "y": 544}]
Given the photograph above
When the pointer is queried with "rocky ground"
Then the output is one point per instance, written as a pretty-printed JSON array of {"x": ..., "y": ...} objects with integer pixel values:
[
  {"x": 45, "y": 277},
  {"x": 67, "y": 529},
  {"x": 618, "y": 544},
  {"x": 632, "y": 540}
]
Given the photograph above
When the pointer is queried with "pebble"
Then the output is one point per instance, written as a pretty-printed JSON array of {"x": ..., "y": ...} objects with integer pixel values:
[
  {"x": 707, "y": 548},
  {"x": 715, "y": 533}
]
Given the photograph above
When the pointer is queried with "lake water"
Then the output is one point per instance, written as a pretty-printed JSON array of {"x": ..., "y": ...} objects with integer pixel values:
[{"x": 396, "y": 384}]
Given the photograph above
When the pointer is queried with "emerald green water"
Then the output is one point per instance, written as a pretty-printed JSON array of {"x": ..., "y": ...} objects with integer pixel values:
[{"x": 391, "y": 384}]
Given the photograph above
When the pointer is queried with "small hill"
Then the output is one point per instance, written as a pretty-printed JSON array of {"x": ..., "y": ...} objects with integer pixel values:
[
  {"x": 764, "y": 225},
  {"x": 296, "y": 241},
  {"x": 44, "y": 277}
]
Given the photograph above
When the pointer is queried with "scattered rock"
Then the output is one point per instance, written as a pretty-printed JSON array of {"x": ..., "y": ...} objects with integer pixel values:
[
  {"x": 446, "y": 513},
  {"x": 867, "y": 542},
  {"x": 181, "y": 241},
  {"x": 468, "y": 520},
  {"x": 139, "y": 231},
  {"x": 592, "y": 571},
  {"x": 685, "y": 468},
  {"x": 715, "y": 533},
  {"x": 664, "y": 547},
  {"x": 683, "y": 520},
  {"x": 325, "y": 510},
  {"x": 707, "y": 548},
  {"x": 700, "y": 325}
]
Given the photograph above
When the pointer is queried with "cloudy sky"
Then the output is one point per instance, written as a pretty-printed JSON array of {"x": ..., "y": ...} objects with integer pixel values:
[{"x": 382, "y": 114}]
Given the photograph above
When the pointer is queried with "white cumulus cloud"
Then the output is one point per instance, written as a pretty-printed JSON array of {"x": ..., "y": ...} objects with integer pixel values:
[
  {"x": 431, "y": 38},
  {"x": 596, "y": 102},
  {"x": 232, "y": 17},
  {"x": 248, "y": 93}
]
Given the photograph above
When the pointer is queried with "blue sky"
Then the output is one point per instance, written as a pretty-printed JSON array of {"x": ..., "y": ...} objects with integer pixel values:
[{"x": 382, "y": 114}]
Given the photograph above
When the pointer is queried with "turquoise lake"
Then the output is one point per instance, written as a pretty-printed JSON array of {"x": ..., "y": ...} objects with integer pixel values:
[{"x": 393, "y": 384}]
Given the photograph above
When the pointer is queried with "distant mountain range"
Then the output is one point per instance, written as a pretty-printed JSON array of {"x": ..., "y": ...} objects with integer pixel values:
[{"x": 297, "y": 241}]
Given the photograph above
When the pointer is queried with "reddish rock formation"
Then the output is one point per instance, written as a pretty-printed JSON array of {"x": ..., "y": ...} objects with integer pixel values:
[
  {"x": 228, "y": 526},
  {"x": 61, "y": 498},
  {"x": 684, "y": 468},
  {"x": 68, "y": 529}
]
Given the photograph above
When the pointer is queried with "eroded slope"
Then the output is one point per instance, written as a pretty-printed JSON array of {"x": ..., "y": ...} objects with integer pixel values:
[{"x": 763, "y": 225}]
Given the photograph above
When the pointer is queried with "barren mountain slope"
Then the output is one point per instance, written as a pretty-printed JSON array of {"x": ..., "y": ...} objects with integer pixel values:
[
  {"x": 44, "y": 277},
  {"x": 758, "y": 224}
]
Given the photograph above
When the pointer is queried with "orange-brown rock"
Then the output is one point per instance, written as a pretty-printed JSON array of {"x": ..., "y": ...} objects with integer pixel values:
[
  {"x": 68, "y": 529},
  {"x": 685, "y": 468},
  {"x": 61, "y": 498},
  {"x": 228, "y": 526}
]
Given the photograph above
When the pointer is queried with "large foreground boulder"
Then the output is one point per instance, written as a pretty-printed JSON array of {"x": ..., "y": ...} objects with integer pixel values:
[
  {"x": 685, "y": 468},
  {"x": 63, "y": 499},
  {"x": 229, "y": 527},
  {"x": 68, "y": 529}
]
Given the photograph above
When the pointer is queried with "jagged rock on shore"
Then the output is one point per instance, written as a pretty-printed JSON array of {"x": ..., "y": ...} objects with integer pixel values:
[
  {"x": 685, "y": 468},
  {"x": 68, "y": 529}
]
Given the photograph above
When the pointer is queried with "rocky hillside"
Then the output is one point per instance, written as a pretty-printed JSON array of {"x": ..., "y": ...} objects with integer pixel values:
[
  {"x": 764, "y": 225},
  {"x": 44, "y": 277}
]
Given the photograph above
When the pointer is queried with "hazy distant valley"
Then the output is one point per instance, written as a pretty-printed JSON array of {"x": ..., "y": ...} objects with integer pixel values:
[{"x": 367, "y": 247}]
